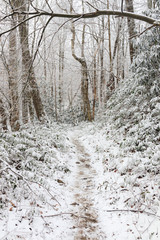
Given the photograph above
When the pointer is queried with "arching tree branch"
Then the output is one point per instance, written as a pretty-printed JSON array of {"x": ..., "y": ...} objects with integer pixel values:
[{"x": 95, "y": 14}]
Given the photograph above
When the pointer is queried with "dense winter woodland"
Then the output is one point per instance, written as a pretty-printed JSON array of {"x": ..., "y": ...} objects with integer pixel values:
[{"x": 79, "y": 119}]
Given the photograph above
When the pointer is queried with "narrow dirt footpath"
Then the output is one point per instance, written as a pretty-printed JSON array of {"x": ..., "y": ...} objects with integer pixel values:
[
  {"x": 84, "y": 188},
  {"x": 108, "y": 189}
]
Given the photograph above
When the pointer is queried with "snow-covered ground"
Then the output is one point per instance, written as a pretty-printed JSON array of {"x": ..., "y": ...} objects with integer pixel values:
[{"x": 81, "y": 182}]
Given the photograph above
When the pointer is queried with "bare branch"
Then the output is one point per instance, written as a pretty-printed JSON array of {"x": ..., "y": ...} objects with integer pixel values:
[
  {"x": 78, "y": 18},
  {"x": 72, "y": 215},
  {"x": 138, "y": 35},
  {"x": 134, "y": 211},
  {"x": 61, "y": 27},
  {"x": 17, "y": 25},
  {"x": 63, "y": 9},
  {"x": 92, "y": 6},
  {"x": 49, "y": 5},
  {"x": 27, "y": 181},
  {"x": 35, "y": 54},
  {"x": 112, "y": 210},
  {"x": 37, "y": 13},
  {"x": 40, "y": 40}
]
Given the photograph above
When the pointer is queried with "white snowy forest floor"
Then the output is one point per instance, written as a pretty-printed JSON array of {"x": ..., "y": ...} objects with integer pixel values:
[{"x": 72, "y": 183}]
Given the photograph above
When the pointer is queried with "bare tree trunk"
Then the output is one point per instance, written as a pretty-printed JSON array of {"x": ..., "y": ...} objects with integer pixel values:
[
  {"x": 151, "y": 4},
  {"x": 29, "y": 75},
  {"x": 60, "y": 78},
  {"x": 26, "y": 94},
  {"x": 44, "y": 67},
  {"x": 61, "y": 70},
  {"x": 94, "y": 86},
  {"x": 111, "y": 81},
  {"x": 118, "y": 64},
  {"x": 109, "y": 39},
  {"x": 13, "y": 81},
  {"x": 31, "y": 108},
  {"x": 55, "y": 99},
  {"x": 84, "y": 79},
  {"x": 3, "y": 115},
  {"x": 102, "y": 81},
  {"x": 123, "y": 56},
  {"x": 131, "y": 27}
]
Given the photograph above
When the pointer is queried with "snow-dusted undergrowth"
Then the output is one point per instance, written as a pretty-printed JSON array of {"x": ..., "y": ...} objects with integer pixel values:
[
  {"x": 38, "y": 174},
  {"x": 33, "y": 165}
]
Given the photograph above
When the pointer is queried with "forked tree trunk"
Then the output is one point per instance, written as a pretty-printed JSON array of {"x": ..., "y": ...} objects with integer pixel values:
[
  {"x": 84, "y": 78},
  {"x": 84, "y": 69},
  {"x": 84, "y": 81}
]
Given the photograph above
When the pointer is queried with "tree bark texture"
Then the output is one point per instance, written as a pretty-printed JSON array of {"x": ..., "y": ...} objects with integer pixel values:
[
  {"x": 94, "y": 86},
  {"x": 3, "y": 116},
  {"x": 131, "y": 28},
  {"x": 61, "y": 71},
  {"x": 151, "y": 4},
  {"x": 30, "y": 86},
  {"x": 84, "y": 79},
  {"x": 13, "y": 81},
  {"x": 102, "y": 77},
  {"x": 111, "y": 81}
]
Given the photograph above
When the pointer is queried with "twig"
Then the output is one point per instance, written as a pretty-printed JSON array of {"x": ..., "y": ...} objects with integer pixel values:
[
  {"x": 22, "y": 178},
  {"x": 78, "y": 18},
  {"x": 35, "y": 8},
  {"x": 61, "y": 27},
  {"x": 138, "y": 35},
  {"x": 16, "y": 26},
  {"x": 92, "y": 6},
  {"x": 63, "y": 9},
  {"x": 49, "y": 5},
  {"x": 134, "y": 211},
  {"x": 35, "y": 54},
  {"x": 72, "y": 215},
  {"x": 39, "y": 43},
  {"x": 3, "y": 170},
  {"x": 27, "y": 180},
  {"x": 148, "y": 226},
  {"x": 41, "y": 37},
  {"x": 46, "y": 190}
]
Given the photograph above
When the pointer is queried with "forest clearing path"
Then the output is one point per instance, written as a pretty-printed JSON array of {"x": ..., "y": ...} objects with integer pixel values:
[
  {"x": 104, "y": 190},
  {"x": 92, "y": 187},
  {"x": 84, "y": 187}
]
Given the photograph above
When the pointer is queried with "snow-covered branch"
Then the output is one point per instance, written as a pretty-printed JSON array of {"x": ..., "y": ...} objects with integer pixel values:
[{"x": 94, "y": 14}]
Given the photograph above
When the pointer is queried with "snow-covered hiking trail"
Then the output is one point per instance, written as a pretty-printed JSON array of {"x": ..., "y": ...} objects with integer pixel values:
[
  {"x": 89, "y": 186},
  {"x": 101, "y": 194},
  {"x": 84, "y": 186}
]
